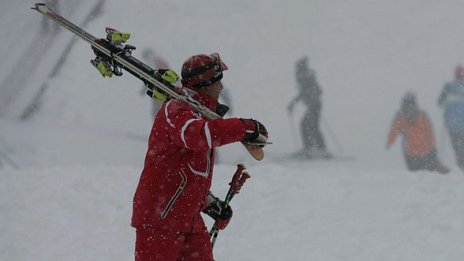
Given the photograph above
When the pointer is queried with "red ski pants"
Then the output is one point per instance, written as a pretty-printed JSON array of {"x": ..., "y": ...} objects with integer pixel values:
[{"x": 162, "y": 245}]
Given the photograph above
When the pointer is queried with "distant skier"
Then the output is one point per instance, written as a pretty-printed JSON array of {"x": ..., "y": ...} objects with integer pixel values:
[
  {"x": 452, "y": 99},
  {"x": 418, "y": 138},
  {"x": 310, "y": 95}
]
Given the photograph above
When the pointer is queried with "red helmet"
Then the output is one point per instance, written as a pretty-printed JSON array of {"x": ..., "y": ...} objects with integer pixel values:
[
  {"x": 459, "y": 72},
  {"x": 202, "y": 70}
]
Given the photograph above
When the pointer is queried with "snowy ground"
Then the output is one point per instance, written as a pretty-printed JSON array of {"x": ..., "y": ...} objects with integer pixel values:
[{"x": 67, "y": 184}]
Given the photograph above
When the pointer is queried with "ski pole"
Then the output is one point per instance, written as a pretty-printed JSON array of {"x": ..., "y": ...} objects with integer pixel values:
[
  {"x": 8, "y": 160},
  {"x": 443, "y": 141},
  {"x": 332, "y": 134},
  {"x": 239, "y": 178},
  {"x": 4, "y": 155},
  {"x": 294, "y": 132}
]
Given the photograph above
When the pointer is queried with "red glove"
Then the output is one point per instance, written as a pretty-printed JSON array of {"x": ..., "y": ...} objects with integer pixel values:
[{"x": 254, "y": 131}]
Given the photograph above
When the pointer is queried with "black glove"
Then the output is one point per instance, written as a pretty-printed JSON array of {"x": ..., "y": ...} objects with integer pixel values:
[
  {"x": 255, "y": 131},
  {"x": 218, "y": 211},
  {"x": 222, "y": 109}
]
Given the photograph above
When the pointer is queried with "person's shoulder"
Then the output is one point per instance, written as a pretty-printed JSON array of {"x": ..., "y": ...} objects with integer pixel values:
[
  {"x": 425, "y": 117},
  {"x": 452, "y": 84},
  {"x": 177, "y": 105},
  {"x": 400, "y": 117}
]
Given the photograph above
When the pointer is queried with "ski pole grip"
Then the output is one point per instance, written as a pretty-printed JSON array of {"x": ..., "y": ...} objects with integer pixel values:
[
  {"x": 241, "y": 181},
  {"x": 240, "y": 168}
]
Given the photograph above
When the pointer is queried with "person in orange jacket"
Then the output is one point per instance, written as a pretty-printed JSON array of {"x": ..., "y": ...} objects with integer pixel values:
[{"x": 418, "y": 139}]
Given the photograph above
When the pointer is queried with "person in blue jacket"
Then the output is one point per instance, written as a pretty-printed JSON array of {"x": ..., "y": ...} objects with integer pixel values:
[{"x": 452, "y": 100}]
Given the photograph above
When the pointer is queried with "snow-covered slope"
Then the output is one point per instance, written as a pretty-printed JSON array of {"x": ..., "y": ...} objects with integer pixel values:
[{"x": 67, "y": 185}]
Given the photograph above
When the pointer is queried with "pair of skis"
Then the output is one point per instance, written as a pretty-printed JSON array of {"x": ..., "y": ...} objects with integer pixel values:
[{"x": 118, "y": 55}]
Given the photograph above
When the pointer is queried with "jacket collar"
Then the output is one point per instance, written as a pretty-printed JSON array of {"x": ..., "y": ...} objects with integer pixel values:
[{"x": 205, "y": 100}]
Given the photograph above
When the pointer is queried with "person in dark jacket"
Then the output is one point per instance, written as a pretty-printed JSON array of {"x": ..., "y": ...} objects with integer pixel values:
[
  {"x": 452, "y": 100},
  {"x": 310, "y": 95},
  {"x": 418, "y": 138}
]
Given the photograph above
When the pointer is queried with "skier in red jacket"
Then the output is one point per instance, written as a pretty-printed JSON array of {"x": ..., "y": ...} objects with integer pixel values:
[{"x": 174, "y": 186}]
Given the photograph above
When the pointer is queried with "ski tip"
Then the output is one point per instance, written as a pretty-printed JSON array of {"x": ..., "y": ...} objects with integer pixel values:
[
  {"x": 40, "y": 7},
  {"x": 37, "y": 5}
]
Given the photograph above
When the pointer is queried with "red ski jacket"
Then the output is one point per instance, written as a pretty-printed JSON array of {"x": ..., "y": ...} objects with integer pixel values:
[{"x": 179, "y": 165}]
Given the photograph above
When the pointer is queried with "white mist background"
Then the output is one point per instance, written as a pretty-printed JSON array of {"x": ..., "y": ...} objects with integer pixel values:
[{"x": 81, "y": 155}]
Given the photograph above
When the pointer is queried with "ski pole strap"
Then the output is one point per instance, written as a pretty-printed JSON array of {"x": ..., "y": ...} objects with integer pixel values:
[{"x": 213, "y": 234}]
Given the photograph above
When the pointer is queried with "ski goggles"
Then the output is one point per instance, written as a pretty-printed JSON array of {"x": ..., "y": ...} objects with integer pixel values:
[{"x": 218, "y": 64}]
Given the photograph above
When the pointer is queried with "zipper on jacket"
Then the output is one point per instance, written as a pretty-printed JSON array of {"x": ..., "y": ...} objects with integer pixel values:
[{"x": 176, "y": 195}]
